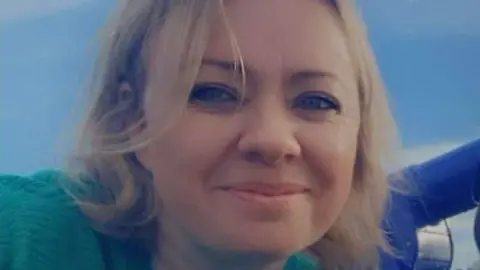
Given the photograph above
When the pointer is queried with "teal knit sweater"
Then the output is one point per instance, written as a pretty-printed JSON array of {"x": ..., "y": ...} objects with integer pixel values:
[{"x": 41, "y": 228}]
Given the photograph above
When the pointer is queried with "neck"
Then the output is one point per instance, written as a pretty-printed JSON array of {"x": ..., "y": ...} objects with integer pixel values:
[
  {"x": 196, "y": 261},
  {"x": 181, "y": 253}
]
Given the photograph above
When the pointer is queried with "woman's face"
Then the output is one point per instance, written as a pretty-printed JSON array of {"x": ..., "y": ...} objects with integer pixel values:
[{"x": 271, "y": 172}]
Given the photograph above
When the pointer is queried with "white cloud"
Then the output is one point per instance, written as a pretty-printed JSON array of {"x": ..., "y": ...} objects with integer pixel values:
[
  {"x": 417, "y": 155},
  {"x": 12, "y": 10},
  {"x": 426, "y": 152},
  {"x": 463, "y": 221}
]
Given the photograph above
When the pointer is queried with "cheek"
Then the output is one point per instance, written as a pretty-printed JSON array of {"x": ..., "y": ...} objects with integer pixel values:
[
  {"x": 330, "y": 153},
  {"x": 330, "y": 156},
  {"x": 183, "y": 157}
]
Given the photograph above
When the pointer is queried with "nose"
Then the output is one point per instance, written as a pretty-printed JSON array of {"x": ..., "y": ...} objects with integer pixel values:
[{"x": 268, "y": 138}]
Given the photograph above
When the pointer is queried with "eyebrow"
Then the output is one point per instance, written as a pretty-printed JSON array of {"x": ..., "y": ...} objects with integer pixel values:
[
  {"x": 305, "y": 75},
  {"x": 222, "y": 64},
  {"x": 296, "y": 77}
]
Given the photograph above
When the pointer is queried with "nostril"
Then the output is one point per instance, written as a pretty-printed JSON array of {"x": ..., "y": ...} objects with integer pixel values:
[
  {"x": 289, "y": 157},
  {"x": 267, "y": 159},
  {"x": 254, "y": 157}
]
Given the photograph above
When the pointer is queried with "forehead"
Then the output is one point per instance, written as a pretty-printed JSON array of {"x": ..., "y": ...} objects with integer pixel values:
[{"x": 281, "y": 35}]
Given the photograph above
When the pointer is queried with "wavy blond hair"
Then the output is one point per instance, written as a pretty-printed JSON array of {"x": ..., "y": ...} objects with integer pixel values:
[{"x": 120, "y": 198}]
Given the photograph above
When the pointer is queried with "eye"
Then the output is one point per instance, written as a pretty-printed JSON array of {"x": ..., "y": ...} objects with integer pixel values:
[
  {"x": 213, "y": 93},
  {"x": 214, "y": 96},
  {"x": 316, "y": 101}
]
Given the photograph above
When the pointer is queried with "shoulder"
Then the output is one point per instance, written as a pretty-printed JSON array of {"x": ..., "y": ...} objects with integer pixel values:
[
  {"x": 26, "y": 199},
  {"x": 41, "y": 226},
  {"x": 39, "y": 190},
  {"x": 302, "y": 261}
]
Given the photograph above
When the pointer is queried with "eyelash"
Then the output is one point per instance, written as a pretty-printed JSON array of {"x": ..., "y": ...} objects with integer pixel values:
[
  {"x": 200, "y": 93},
  {"x": 221, "y": 97},
  {"x": 323, "y": 101}
]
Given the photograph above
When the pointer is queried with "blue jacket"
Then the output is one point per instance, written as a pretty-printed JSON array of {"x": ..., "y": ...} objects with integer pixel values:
[{"x": 442, "y": 187}]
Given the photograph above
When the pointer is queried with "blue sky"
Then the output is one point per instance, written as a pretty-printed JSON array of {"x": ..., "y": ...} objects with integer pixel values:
[{"x": 428, "y": 52}]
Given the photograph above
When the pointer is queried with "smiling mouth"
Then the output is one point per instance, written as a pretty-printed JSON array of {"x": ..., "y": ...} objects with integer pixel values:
[{"x": 266, "y": 191}]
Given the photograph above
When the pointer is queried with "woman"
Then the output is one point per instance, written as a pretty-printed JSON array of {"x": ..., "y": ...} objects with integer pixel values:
[{"x": 238, "y": 135}]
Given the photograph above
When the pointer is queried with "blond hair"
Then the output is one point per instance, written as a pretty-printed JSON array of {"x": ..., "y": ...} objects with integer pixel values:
[{"x": 121, "y": 200}]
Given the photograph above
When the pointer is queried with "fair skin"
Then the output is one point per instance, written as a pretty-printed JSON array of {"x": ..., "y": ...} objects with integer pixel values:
[{"x": 244, "y": 184}]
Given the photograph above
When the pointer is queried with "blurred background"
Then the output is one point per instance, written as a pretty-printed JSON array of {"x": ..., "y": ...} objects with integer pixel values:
[{"x": 428, "y": 52}]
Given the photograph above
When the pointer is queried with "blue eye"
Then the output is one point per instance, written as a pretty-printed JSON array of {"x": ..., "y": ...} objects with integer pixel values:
[
  {"x": 214, "y": 98},
  {"x": 315, "y": 101},
  {"x": 213, "y": 93}
]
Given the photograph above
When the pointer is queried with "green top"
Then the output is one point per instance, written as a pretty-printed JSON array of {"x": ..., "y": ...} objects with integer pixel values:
[{"x": 41, "y": 228}]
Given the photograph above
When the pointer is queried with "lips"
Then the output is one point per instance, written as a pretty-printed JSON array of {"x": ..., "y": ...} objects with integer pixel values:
[{"x": 268, "y": 189}]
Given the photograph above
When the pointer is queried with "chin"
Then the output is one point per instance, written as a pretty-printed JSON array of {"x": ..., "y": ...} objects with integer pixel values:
[{"x": 276, "y": 243}]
